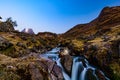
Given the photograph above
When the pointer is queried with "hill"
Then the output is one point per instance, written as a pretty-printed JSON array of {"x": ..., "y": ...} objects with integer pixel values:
[{"x": 109, "y": 17}]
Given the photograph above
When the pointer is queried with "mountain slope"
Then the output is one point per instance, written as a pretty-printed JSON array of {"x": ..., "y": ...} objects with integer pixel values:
[{"x": 109, "y": 17}]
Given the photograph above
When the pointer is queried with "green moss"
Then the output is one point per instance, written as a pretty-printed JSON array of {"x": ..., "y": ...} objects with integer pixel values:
[
  {"x": 116, "y": 70},
  {"x": 6, "y": 74},
  {"x": 9, "y": 51}
]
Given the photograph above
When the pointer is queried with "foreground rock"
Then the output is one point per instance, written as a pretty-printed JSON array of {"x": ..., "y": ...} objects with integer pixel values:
[
  {"x": 30, "y": 67},
  {"x": 67, "y": 61}
]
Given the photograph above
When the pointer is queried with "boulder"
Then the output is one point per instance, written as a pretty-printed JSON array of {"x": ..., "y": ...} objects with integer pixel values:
[
  {"x": 45, "y": 69},
  {"x": 67, "y": 61},
  {"x": 4, "y": 44},
  {"x": 35, "y": 72},
  {"x": 64, "y": 51}
]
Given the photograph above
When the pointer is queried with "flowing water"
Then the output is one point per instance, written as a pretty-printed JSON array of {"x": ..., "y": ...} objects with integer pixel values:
[{"x": 80, "y": 66}]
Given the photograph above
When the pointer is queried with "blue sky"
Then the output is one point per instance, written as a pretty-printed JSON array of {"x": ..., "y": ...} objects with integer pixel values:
[{"x": 52, "y": 15}]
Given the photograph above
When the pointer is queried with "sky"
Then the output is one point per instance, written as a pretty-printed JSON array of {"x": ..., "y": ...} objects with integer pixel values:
[{"x": 55, "y": 16}]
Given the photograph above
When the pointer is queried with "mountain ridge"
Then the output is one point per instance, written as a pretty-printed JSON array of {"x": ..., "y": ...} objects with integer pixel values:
[{"x": 109, "y": 17}]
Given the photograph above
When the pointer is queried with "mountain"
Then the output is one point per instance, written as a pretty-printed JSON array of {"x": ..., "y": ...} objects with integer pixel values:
[
  {"x": 47, "y": 34},
  {"x": 29, "y": 30},
  {"x": 109, "y": 17}
]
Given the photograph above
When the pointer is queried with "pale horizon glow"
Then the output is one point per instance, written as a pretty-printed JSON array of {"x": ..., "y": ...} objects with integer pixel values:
[{"x": 55, "y": 16}]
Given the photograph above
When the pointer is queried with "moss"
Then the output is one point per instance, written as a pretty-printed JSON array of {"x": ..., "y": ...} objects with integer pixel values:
[
  {"x": 9, "y": 51},
  {"x": 116, "y": 70},
  {"x": 6, "y": 74}
]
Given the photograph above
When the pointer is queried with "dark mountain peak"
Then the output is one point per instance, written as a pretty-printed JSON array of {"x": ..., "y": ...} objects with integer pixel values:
[
  {"x": 110, "y": 10},
  {"x": 28, "y": 30}
]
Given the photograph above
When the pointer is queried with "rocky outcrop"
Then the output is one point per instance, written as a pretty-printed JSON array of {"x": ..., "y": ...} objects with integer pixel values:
[
  {"x": 4, "y": 44},
  {"x": 45, "y": 69},
  {"x": 31, "y": 67},
  {"x": 67, "y": 61}
]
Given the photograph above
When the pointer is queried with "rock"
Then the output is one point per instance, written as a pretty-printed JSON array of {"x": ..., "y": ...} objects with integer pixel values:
[
  {"x": 64, "y": 51},
  {"x": 67, "y": 61},
  {"x": 57, "y": 72},
  {"x": 48, "y": 69},
  {"x": 100, "y": 75},
  {"x": 20, "y": 44},
  {"x": 54, "y": 71},
  {"x": 90, "y": 75},
  {"x": 35, "y": 72},
  {"x": 4, "y": 44}
]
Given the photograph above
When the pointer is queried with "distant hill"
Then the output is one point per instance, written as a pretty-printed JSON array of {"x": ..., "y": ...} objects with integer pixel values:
[
  {"x": 109, "y": 17},
  {"x": 29, "y": 31},
  {"x": 47, "y": 34}
]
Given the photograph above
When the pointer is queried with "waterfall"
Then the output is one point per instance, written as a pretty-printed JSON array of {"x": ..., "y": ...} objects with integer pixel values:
[
  {"x": 75, "y": 68},
  {"x": 80, "y": 66},
  {"x": 63, "y": 71}
]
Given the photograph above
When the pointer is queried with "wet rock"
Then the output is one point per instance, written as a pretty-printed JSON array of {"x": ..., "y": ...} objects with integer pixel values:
[
  {"x": 90, "y": 75},
  {"x": 100, "y": 75},
  {"x": 53, "y": 70},
  {"x": 57, "y": 72},
  {"x": 84, "y": 62},
  {"x": 50, "y": 69},
  {"x": 67, "y": 61}
]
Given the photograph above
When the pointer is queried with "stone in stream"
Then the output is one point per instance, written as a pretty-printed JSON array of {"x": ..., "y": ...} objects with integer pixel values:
[
  {"x": 67, "y": 61},
  {"x": 90, "y": 75},
  {"x": 100, "y": 75},
  {"x": 64, "y": 51}
]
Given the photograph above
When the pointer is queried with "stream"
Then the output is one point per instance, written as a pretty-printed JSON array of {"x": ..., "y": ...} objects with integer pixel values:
[{"x": 79, "y": 69}]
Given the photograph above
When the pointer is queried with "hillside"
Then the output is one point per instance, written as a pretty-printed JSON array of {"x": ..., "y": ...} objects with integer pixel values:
[
  {"x": 19, "y": 55},
  {"x": 109, "y": 17},
  {"x": 98, "y": 41}
]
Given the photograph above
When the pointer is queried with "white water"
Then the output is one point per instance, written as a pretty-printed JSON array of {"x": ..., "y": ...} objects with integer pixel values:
[
  {"x": 63, "y": 71},
  {"x": 78, "y": 70}
]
